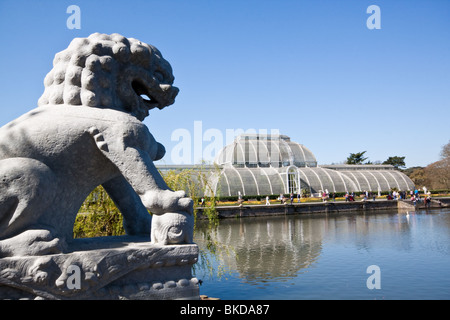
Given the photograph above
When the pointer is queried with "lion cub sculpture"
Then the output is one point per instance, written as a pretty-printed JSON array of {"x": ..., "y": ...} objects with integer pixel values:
[{"x": 85, "y": 132}]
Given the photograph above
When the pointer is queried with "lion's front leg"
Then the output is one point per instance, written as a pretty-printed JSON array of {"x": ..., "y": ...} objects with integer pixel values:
[
  {"x": 151, "y": 187},
  {"x": 136, "y": 219},
  {"x": 132, "y": 149}
]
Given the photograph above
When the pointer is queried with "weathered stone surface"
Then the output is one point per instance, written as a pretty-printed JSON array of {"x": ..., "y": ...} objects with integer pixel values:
[
  {"x": 86, "y": 132},
  {"x": 52, "y": 157},
  {"x": 103, "y": 268},
  {"x": 172, "y": 228}
]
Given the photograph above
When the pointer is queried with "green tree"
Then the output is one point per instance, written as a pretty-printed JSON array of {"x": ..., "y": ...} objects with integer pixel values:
[
  {"x": 98, "y": 217},
  {"x": 356, "y": 158},
  {"x": 397, "y": 162}
]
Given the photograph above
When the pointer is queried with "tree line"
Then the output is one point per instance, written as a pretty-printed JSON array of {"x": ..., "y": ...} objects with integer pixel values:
[
  {"x": 435, "y": 176},
  {"x": 358, "y": 158}
]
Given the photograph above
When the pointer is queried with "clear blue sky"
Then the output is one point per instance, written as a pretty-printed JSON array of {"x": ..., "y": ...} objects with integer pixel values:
[{"x": 310, "y": 69}]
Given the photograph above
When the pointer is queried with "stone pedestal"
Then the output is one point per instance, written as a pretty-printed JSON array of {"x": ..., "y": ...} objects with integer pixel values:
[{"x": 104, "y": 268}]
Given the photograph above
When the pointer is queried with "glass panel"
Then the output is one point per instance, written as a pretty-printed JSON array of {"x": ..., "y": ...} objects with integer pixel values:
[
  {"x": 249, "y": 182},
  {"x": 362, "y": 182},
  {"x": 238, "y": 154},
  {"x": 299, "y": 157},
  {"x": 384, "y": 184},
  {"x": 337, "y": 181},
  {"x": 263, "y": 182},
  {"x": 276, "y": 180},
  {"x": 403, "y": 180},
  {"x": 309, "y": 175},
  {"x": 263, "y": 155},
  {"x": 234, "y": 181}
]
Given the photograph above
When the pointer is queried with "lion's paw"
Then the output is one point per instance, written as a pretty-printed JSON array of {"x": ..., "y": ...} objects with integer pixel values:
[
  {"x": 163, "y": 201},
  {"x": 31, "y": 243}
]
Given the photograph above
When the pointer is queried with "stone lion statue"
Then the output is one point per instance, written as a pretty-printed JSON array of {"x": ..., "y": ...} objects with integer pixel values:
[{"x": 85, "y": 132}]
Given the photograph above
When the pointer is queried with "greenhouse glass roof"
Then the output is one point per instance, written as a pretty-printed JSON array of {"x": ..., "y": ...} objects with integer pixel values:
[
  {"x": 273, "y": 164},
  {"x": 292, "y": 179},
  {"x": 255, "y": 150}
]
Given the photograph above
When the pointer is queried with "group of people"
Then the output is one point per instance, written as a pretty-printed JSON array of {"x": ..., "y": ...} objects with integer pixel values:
[
  {"x": 394, "y": 195},
  {"x": 326, "y": 195},
  {"x": 397, "y": 195},
  {"x": 283, "y": 200},
  {"x": 415, "y": 197},
  {"x": 365, "y": 195}
]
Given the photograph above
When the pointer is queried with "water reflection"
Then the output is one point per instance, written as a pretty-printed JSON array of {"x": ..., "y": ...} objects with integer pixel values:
[
  {"x": 275, "y": 249},
  {"x": 270, "y": 248}
]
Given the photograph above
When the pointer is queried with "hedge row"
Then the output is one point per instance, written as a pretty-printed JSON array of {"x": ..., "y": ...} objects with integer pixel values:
[{"x": 337, "y": 195}]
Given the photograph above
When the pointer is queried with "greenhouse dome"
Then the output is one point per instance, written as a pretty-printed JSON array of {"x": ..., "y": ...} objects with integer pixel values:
[{"x": 255, "y": 150}]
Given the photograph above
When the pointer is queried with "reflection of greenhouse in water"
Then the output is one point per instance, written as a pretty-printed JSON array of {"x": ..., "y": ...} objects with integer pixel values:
[
  {"x": 268, "y": 248},
  {"x": 257, "y": 165}
]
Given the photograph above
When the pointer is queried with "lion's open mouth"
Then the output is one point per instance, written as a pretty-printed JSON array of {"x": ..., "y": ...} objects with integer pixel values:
[{"x": 149, "y": 100}]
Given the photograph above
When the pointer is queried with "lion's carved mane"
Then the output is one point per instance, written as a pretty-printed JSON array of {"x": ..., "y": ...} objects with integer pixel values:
[{"x": 110, "y": 71}]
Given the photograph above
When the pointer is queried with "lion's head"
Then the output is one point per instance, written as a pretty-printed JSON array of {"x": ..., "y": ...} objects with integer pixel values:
[{"x": 110, "y": 71}]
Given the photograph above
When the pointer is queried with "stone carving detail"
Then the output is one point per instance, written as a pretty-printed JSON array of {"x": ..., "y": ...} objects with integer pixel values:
[
  {"x": 87, "y": 131},
  {"x": 172, "y": 228},
  {"x": 121, "y": 271}
]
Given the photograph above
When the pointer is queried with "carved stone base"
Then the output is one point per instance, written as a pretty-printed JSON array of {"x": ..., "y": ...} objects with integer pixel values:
[{"x": 103, "y": 268}]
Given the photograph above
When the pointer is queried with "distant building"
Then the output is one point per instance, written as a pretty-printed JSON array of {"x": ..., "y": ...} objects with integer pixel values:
[{"x": 257, "y": 165}]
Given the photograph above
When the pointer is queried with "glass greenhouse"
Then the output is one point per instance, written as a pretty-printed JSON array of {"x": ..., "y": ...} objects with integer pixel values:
[
  {"x": 273, "y": 164},
  {"x": 260, "y": 165}
]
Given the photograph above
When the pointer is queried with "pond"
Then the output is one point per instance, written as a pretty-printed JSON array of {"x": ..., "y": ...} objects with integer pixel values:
[{"x": 377, "y": 255}]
